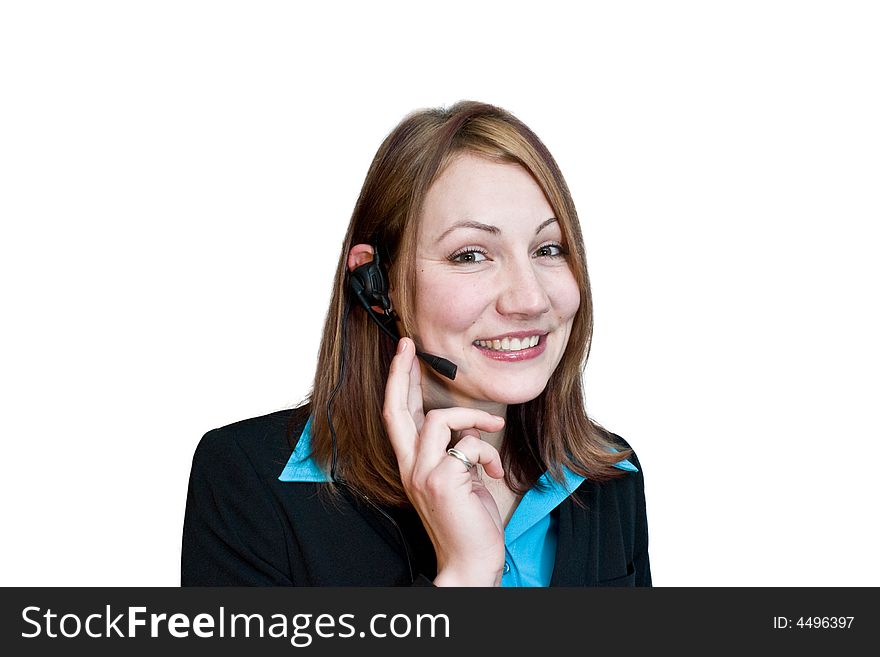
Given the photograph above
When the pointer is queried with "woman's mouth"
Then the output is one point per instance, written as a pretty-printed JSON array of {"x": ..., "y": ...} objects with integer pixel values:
[{"x": 509, "y": 349}]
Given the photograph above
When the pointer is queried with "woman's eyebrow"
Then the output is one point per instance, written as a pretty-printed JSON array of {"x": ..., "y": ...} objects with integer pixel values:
[{"x": 488, "y": 228}]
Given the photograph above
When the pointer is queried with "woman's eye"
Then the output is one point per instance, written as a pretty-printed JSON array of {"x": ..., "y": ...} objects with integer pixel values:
[
  {"x": 468, "y": 256},
  {"x": 550, "y": 250}
]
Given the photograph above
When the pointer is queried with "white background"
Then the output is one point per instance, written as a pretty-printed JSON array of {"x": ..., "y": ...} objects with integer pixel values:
[{"x": 177, "y": 178}]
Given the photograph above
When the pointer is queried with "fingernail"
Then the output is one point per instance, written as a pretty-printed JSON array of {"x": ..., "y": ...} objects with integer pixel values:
[
  {"x": 498, "y": 417},
  {"x": 401, "y": 346}
]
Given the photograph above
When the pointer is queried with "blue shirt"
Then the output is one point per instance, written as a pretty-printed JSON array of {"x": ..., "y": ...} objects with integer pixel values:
[{"x": 530, "y": 535}]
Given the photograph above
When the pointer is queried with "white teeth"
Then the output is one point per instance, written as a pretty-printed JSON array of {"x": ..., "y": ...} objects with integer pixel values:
[{"x": 510, "y": 344}]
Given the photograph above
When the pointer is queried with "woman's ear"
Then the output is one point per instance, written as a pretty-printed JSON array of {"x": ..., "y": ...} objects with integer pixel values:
[{"x": 360, "y": 254}]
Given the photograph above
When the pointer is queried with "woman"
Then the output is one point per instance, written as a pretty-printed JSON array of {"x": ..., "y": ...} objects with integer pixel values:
[{"x": 461, "y": 453}]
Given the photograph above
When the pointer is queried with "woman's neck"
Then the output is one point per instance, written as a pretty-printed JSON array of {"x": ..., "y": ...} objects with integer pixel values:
[{"x": 434, "y": 396}]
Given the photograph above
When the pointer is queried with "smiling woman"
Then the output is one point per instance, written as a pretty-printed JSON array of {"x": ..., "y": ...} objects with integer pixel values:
[{"x": 459, "y": 453}]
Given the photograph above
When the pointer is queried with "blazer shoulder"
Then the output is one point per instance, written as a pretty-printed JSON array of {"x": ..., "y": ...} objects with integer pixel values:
[
  {"x": 266, "y": 441},
  {"x": 234, "y": 524}
]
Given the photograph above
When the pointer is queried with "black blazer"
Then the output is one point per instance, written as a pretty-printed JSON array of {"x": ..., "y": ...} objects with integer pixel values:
[{"x": 245, "y": 527}]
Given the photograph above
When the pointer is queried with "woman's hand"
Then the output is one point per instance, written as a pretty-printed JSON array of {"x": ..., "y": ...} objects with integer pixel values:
[{"x": 458, "y": 512}]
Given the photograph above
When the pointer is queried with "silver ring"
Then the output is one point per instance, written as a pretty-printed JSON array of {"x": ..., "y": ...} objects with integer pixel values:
[{"x": 458, "y": 454}]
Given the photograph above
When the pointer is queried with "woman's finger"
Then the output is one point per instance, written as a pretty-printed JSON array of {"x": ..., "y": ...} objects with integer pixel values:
[
  {"x": 478, "y": 452},
  {"x": 399, "y": 421},
  {"x": 437, "y": 429},
  {"x": 415, "y": 399}
]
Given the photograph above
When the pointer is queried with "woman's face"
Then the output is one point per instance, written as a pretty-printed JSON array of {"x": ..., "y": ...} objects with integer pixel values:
[{"x": 494, "y": 292}]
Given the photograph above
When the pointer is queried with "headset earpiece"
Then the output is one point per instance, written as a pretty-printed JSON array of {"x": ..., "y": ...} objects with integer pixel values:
[{"x": 369, "y": 284}]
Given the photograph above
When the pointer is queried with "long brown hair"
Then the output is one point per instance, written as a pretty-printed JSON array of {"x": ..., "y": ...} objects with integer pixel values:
[{"x": 541, "y": 435}]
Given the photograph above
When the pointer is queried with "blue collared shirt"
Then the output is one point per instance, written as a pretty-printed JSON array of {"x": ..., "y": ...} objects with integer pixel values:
[{"x": 530, "y": 535}]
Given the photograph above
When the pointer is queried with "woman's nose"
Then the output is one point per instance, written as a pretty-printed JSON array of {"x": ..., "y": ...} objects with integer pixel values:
[{"x": 522, "y": 291}]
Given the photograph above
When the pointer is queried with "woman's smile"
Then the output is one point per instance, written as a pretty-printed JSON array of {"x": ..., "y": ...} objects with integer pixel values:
[{"x": 513, "y": 347}]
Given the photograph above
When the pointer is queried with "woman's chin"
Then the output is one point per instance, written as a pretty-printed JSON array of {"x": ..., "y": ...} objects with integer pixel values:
[{"x": 518, "y": 396}]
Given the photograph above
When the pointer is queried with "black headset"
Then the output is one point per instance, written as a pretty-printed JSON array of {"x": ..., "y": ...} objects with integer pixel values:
[{"x": 369, "y": 285}]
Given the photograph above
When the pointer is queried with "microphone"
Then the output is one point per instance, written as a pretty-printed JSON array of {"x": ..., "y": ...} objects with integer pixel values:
[{"x": 446, "y": 367}]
